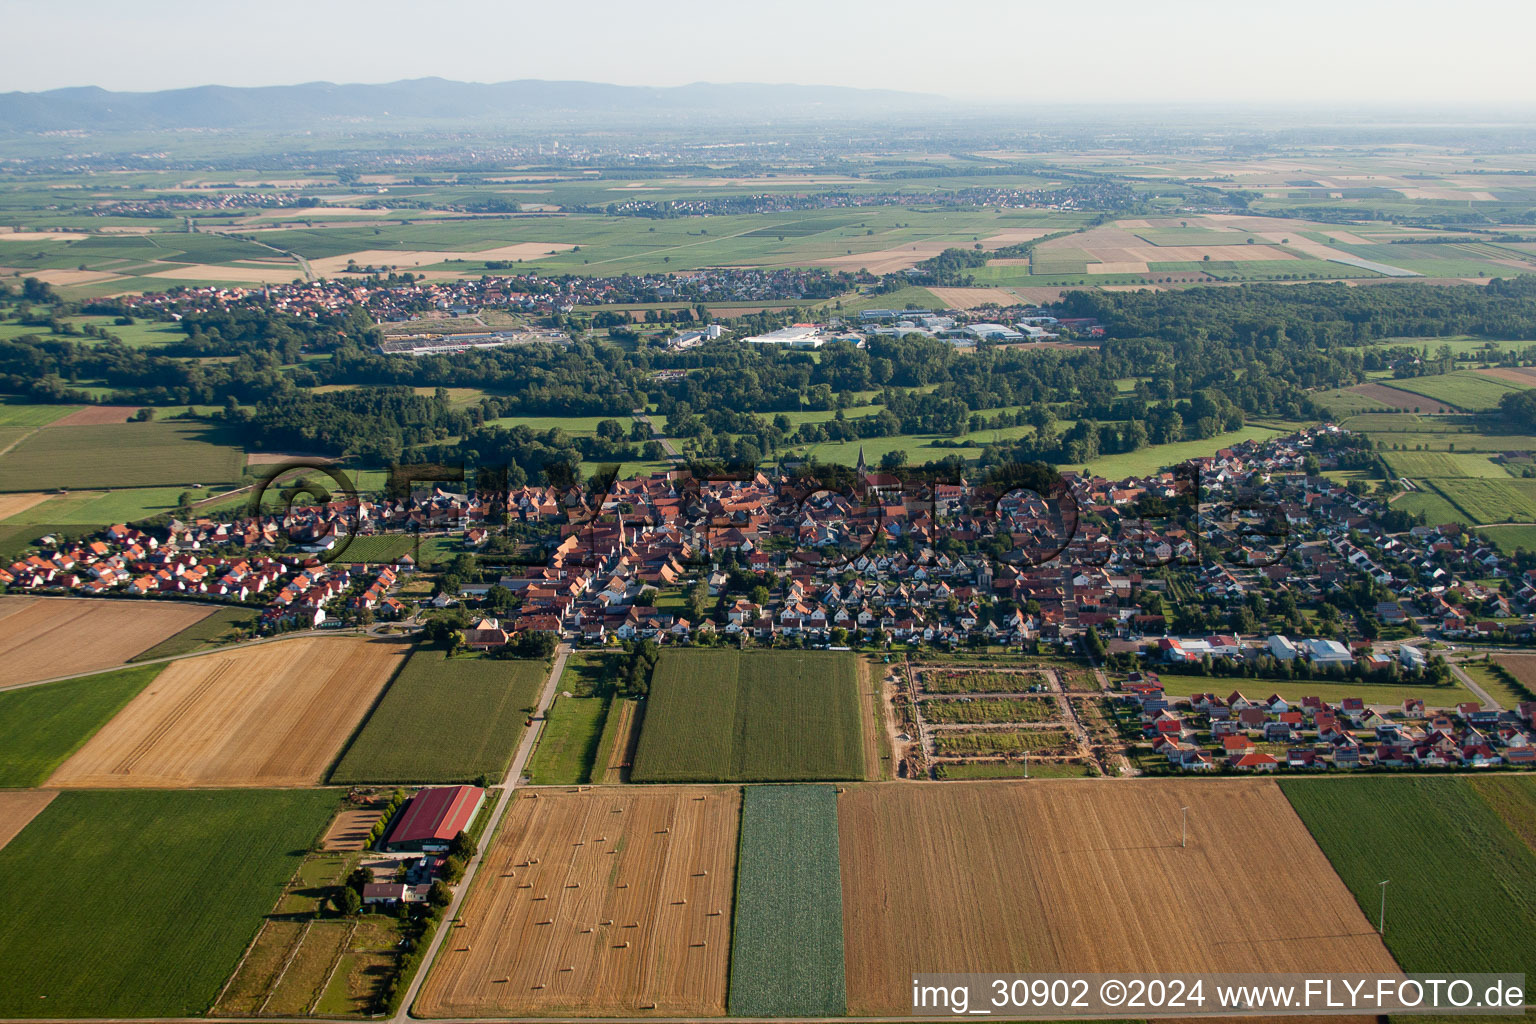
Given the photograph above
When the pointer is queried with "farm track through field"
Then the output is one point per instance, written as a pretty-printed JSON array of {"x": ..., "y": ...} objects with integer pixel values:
[{"x": 509, "y": 784}]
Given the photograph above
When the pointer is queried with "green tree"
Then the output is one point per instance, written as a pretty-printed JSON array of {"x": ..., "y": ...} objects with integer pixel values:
[{"x": 347, "y": 900}]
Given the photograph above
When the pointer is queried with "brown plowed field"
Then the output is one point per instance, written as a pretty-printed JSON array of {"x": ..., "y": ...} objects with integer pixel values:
[
  {"x": 41, "y": 638},
  {"x": 1085, "y": 876},
  {"x": 20, "y": 806},
  {"x": 603, "y": 903},
  {"x": 1392, "y": 398},
  {"x": 93, "y": 415},
  {"x": 271, "y": 715},
  {"x": 1525, "y": 376}
]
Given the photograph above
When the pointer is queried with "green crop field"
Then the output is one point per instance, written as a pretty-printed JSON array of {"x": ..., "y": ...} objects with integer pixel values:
[
  {"x": 139, "y": 903},
  {"x": 102, "y": 508},
  {"x": 1510, "y": 539},
  {"x": 1431, "y": 505},
  {"x": 120, "y": 455},
  {"x": 1490, "y": 501},
  {"x": 1463, "y": 389},
  {"x": 1013, "y": 770},
  {"x": 222, "y": 627},
  {"x": 1462, "y": 893},
  {"x": 18, "y": 412},
  {"x": 731, "y": 716},
  {"x": 1453, "y": 464},
  {"x": 1175, "y": 685},
  {"x": 589, "y": 673},
  {"x": 1513, "y": 799},
  {"x": 568, "y": 743},
  {"x": 44, "y": 725},
  {"x": 444, "y": 720},
  {"x": 787, "y": 942}
]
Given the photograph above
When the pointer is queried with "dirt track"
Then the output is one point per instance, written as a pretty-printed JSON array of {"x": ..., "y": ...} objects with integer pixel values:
[
  {"x": 45, "y": 637},
  {"x": 599, "y": 903},
  {"x": 1085, "y": 876},
  {"x": 271, "y": 715}
]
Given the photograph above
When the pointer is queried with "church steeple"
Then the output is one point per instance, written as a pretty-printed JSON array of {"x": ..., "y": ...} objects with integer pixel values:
[{"x": 860, "y": 466}]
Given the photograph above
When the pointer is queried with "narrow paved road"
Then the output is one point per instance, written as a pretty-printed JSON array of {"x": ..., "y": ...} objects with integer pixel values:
[
  {"x": 666, "y": 445},
  {"x": 1477, "y": 691},
  {"x": 508, "y": 786}
]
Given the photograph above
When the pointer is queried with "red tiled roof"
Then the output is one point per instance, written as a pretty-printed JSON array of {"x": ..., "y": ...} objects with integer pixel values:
[{"x": 437, "y": 814}]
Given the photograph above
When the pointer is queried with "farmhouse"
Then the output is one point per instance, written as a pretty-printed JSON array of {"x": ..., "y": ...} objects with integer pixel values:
[{"x": 433, "y": 817}]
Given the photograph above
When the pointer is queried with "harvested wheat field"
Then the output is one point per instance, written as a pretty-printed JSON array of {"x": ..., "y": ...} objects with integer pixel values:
[
  {"x": 1083, "y": 876},
  {"x": 18, "y": 502},
  {"x": 1521, "y": 666},
  {"x": 270, "y": 715},
  {"x": 970, "y": 298},
  {"x": 20, "y": 806},
  {"x": 601, "y": 903},
  {"x": 41, "y": 638}
]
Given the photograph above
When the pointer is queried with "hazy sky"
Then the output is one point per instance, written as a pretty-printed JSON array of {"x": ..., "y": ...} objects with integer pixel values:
[{"x": 1349, "y": 51}]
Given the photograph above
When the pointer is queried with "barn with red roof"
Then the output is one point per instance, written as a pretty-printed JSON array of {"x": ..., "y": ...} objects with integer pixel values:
[{"x": 433, "y": 817}]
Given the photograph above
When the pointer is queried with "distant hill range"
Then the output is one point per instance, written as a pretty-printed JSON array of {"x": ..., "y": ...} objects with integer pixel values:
[{"x": 319, "y": 104}]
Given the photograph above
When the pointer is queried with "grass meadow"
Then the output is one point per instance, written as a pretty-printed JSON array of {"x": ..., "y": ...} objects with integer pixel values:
[
  {"x": 1176, "y": 685},
  {"x": 569, "y": 742},
  {"x": 120, "y": 455},
  {"x": 757, "y": 716},
  {"x": 787, "y": 942},
  {"x": 139, "y": 903},
  {"x": 1462, "y": 892},
  {"x": 1452, "y": 464},
  {"x": 1463, "y": 389},
  {"x": 444, "y": 720},
  {"x": 44, "y": 725}
]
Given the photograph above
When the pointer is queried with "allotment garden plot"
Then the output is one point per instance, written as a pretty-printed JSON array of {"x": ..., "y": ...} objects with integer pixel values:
[
  {"x": 987, "y": 718},
  {"x": 600, "y": 902},
  {"x": 270, "y": 715},
  {"x": 1085, "y": 876}
]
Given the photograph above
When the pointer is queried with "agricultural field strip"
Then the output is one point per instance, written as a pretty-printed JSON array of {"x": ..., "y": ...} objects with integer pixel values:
[
  {"x": 46, "y": 638},
  {"x": 754, "y": 716},
  {"x": 1462, "y": 883},
  {"x": 132, "y": 876},
  {"x": 1081, "y": 876},
  {"x": 267, "y": 715},
  {"x": 787, "y": 947},
  {"x": 443, "y": 720},
  {"x": 599, "y": 902}
]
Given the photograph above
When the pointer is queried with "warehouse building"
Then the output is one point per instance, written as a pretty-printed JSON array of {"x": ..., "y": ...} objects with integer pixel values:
[{"x": 433, "y": 817}]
